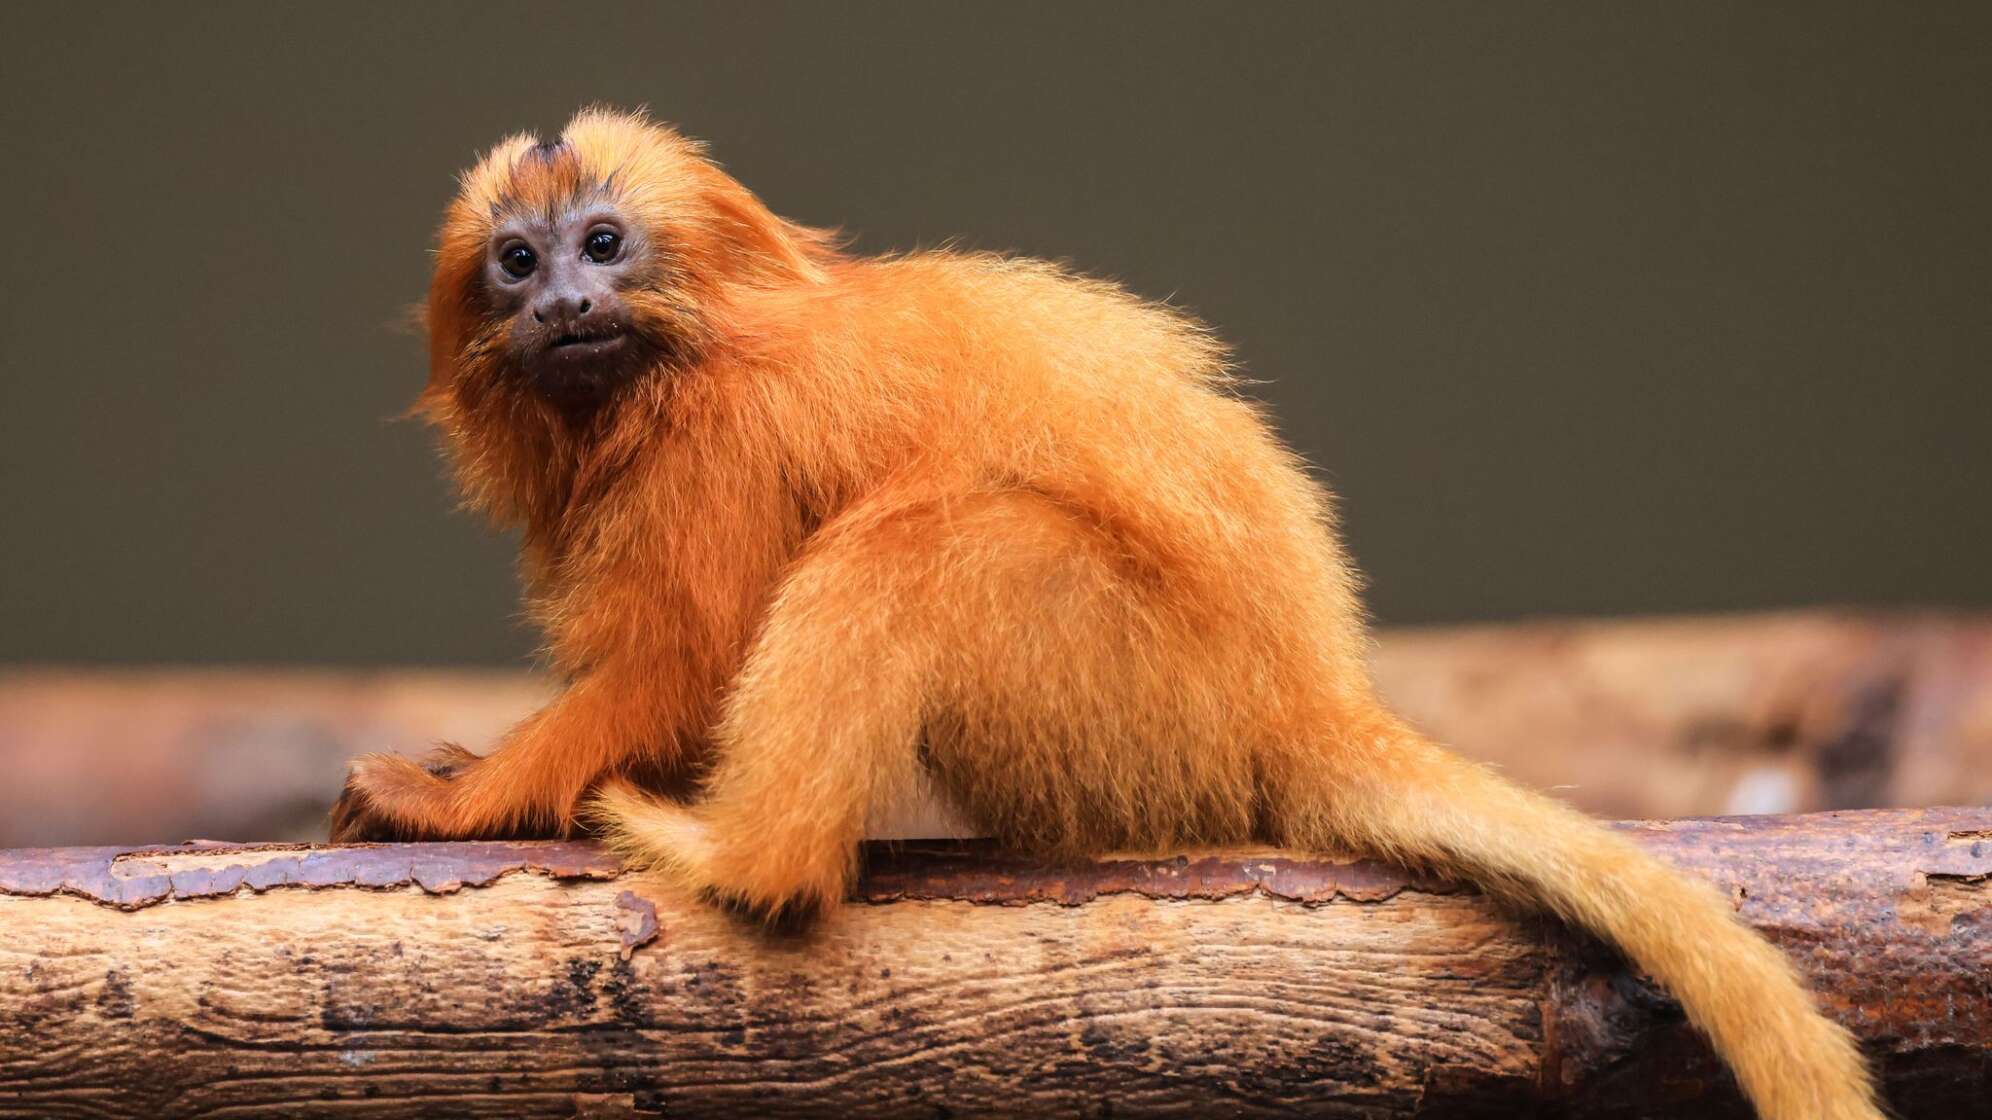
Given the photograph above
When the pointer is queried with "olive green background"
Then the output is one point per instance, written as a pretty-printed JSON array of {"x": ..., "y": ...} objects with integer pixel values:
[{"x": 1583, "y": 309}]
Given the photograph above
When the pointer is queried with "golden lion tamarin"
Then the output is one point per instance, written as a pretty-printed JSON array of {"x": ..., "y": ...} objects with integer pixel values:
[{"x": 801, "y": 525}]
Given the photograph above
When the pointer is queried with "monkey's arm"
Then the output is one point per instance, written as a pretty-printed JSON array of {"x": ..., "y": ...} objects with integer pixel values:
[{"x": 609, "y": 720}]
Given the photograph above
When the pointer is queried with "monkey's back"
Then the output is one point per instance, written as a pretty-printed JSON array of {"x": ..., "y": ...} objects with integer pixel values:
[
  {"x": 1028, "y": 376},
  {"x": 1175, "y": 603}
]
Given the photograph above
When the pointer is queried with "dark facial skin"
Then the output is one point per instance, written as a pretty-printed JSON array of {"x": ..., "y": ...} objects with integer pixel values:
[{"x": 560, "y": 284}]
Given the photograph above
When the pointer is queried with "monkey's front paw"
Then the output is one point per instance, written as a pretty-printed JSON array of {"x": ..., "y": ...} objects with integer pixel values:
[
  {"x": 381, "y": 799},
  {"x": 353, "y": 820},
  {"x": 448, "y": 760}
]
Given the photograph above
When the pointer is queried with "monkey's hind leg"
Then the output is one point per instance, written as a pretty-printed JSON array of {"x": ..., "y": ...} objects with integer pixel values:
[{"x": 862, "y": 645}]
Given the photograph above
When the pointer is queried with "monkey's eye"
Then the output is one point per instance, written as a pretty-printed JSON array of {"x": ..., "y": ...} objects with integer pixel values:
[
  {"x": 602, "y": 246},
  {"x": 518, "y": 261}
]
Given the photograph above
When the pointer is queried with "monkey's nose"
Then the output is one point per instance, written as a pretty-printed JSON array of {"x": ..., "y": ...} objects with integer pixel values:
[{"x": 563, "y": 309}]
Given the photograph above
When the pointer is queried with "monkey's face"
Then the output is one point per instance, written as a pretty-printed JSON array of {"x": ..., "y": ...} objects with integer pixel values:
[
  {"x": 572, "y": 269},
  {"x": 559, "y": 283}
]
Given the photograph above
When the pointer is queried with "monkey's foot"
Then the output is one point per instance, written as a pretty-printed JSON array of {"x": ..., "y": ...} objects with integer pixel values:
[{"x": 766, "y": 885}]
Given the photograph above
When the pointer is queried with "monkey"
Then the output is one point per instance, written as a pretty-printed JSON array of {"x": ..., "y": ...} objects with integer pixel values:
[{"x": 803, "y": 527}]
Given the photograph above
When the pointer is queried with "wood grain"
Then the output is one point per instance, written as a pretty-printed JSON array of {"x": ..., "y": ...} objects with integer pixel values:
[{"x": 529, "y": 980}]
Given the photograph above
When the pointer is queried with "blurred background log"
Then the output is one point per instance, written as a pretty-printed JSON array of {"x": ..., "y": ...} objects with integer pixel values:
[
  {"x": 1658, "y": 718},
  {"x": 531, "y": 980}
]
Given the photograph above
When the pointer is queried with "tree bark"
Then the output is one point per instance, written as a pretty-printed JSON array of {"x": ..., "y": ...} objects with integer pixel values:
[{"x": 528, "y": 980}]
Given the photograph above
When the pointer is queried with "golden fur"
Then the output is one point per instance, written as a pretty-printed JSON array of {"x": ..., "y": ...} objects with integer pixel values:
[{"x": 986, "y": 517}]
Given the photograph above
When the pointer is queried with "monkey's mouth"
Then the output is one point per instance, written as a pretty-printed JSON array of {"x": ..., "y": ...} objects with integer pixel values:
[{"x": 586, "y": 345}]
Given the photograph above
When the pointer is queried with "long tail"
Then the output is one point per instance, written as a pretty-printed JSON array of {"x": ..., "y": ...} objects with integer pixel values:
[{"x": 1424, "y": 805}]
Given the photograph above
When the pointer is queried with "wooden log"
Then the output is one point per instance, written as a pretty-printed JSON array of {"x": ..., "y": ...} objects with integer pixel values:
[
  {"x": 529, "y": 980},
  {"x": 1649, "y": 718}
]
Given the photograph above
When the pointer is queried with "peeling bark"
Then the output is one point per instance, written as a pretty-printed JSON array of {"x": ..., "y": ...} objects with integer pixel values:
[
  {"x": 134, "y": 878},
  {"x": 533, "y": 979}
]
